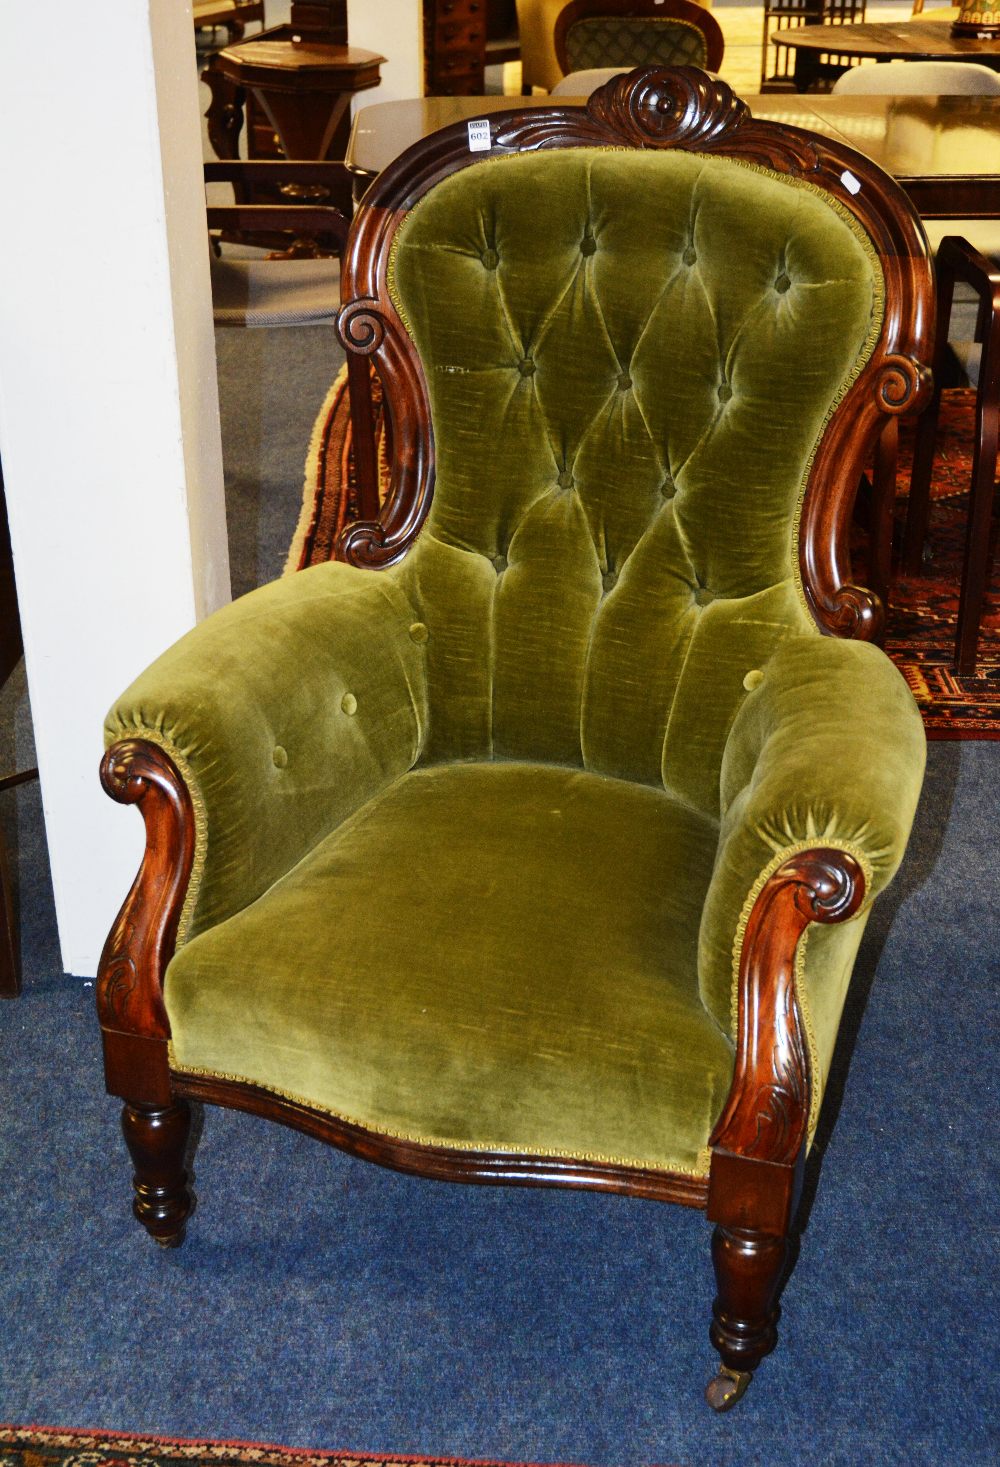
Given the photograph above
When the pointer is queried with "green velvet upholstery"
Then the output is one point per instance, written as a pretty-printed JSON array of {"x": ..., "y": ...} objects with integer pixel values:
[
  {"x": 526, "y": 978},
  {"x": 623, "y": 422},
  {"x": 251, "y": 706},
  {"x": 477, "y": 834},
  {"x": 621, "y": 40}
]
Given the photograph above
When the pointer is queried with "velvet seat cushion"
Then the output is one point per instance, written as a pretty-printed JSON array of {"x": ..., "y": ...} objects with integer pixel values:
[{"x": 526, "y": 980}]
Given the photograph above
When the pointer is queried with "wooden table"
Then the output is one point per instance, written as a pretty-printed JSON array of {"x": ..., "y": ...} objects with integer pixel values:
[
  {"x": 907, "y": 40},
  {"x": 304, "y": 87},
  {"x": 944, "y": 151}
]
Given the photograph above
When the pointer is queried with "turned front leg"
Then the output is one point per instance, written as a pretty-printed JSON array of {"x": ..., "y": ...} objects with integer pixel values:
[
  {"x": 749, "y": 1269},
  {"x": 157, "y": 1139}
]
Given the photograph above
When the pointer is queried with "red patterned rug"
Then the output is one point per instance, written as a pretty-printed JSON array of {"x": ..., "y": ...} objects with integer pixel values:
[
  {"x": 923, "y": 613},
  {"x": 34, "y": 1446},
  {"x": 924, "y": 609}
]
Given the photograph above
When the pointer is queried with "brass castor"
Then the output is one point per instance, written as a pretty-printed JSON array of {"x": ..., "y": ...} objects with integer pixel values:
[
  {"x": 174, "y": 1240},
  {"x": 726, "y": 1388}
]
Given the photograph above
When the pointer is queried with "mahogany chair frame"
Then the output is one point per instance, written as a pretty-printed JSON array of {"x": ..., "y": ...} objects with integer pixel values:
[
  {"x": 759, "y": 1142},
  {"x": 686, "y": 10}
]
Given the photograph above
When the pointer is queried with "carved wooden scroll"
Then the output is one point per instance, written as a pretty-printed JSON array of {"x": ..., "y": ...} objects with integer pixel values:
[
  {"x": 141, "y": 942},
  {"x": 766, "y": 1116}
]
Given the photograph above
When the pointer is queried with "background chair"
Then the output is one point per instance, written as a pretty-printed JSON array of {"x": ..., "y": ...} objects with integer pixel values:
[
  {"x": 967, "y": 258},
  {"x": 777, "y": 63},
  {"x": 627, "y": 33},
  {"x": 494, "y": 865},
  {"x": 559, "y": 37},
  {"x": 919, "y": 78},
  {"x": 585, "y": 83},
  {"x": 960, "y": 264},
  {"x": 302, "y": 286},
  {"x": 234, "y": 15}
]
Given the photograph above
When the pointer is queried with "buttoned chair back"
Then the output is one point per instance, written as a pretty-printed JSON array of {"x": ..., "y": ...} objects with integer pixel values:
[
  {"x": 623, "y": 426},
  {"x": 561, "y": 36}
]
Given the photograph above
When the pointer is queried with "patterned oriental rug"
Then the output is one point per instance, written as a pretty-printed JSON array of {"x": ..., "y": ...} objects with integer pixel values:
[
  {"x": 33, "y": 1446},
  {"x": 922, "y": 616}
]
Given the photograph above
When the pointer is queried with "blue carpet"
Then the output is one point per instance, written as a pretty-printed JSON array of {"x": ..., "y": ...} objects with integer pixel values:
[{"x": 322, "y": 1302}]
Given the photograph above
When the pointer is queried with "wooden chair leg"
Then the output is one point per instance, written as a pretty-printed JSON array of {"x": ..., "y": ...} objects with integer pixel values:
[
  {"x": 749, "y": 1273},
  {"x": 984, "y": 464},
  {"x": 157, "y": 1139}
]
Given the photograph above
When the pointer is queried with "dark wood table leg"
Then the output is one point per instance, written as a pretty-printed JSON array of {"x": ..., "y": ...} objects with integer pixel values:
[
  {"x": 225, "y": 111},
  {"x": 806, "y": 70}
]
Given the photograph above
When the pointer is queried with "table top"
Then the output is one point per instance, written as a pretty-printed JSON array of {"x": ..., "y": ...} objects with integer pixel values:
[
  {"x": 944, "y": 150},
  {"x": 300, "y": 56},
  {"x": 913, "y": 40}
]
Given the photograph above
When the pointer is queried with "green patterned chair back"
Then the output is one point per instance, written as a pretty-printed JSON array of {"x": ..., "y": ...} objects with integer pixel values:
[
  {"x": 620, "y": 40},
  {"x": 624, "y": 416}
]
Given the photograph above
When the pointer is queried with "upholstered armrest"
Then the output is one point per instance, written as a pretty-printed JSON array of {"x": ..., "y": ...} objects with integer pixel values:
[
  {"x": 282, "y": 714},
  {"x": 819, "y": 784}
]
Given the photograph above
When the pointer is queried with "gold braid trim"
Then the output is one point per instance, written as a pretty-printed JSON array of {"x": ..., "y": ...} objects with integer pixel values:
[{"x": 699, "y": 1170}]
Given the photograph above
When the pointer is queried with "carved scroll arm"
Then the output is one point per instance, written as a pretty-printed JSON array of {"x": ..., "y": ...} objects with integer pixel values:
[
  {"x": 819, "y": 785},
  {"x": 765, "y": 1118},
  {"x": 265, "y": 727},
  {"x": 141, "y": 943}
]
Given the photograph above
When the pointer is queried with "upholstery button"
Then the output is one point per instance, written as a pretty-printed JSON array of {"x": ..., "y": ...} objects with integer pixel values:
[
  {"x": 349, "y": 704},
  {"x": 689, "y": 257},
  {"x": 490, "y": 259},
  {"x": 278, "y": 757},
  {"x": 526, "y": 367},
  {"x": 588, "y": 245},
  {"x": 500, "y": 564},
  {"x": 703, "y": 596},
  {"x": 565, "y": 480},
  {"x": 782, "y": 283},
  {"x": 668, "y": 488},
  {"x": 419, "y": 632},
  {"x": 624, "y": 381},
  {"x": 753, "y": 679},
  {"x": 609, "y": 579},
  {"x": 725, "y": 392}
]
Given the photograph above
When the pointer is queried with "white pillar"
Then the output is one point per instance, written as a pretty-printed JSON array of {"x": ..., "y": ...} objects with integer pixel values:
[
  {"x": 109, "y": 423},
  {"x": 395, "y": 29}
]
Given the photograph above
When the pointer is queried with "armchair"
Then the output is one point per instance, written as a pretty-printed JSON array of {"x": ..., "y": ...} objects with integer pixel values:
[
  {"x": 492, "y": 854},
  {"x": 562, "y": 36}
]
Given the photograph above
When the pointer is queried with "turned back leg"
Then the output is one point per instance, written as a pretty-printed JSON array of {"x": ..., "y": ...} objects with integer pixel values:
[
  {"x": 157, "y": 1139},
  {"x": 749, "y": 1272}
]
